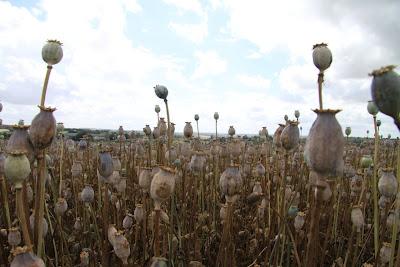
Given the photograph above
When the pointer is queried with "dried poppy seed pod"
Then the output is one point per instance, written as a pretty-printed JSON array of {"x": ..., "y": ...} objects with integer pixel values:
[
  {"x": 357, "y": 217},
  {"x": 70, "y": 145},
  {"x": 145, "y": 178},
  {"x": 290, "y": 135},
  {"x": 385, "y": 91},
  {"x": 147, "y": 130},
  {"x": 391, "y": 220},
  {"x": 16, "y": 168},
  {"x": 52, "y": 52},
  {"x": 366, "y": 161},
  {"x": 347, "y": 131},
  {"x": 372, "y": 108},
  {"x": 60, "y": 207},
  {"x": 171, "y": 155},
  {"x": 259, "y": 170},
  {"x": 138, "y": 214},
  {"x": 82, "y": 145},
  {"x": 356, "y": 183},
  {"x": 188, "y": 130},
  {"x": 127, "y": 222},
  {"x": 163, "y": 185},
  {"x": 230, "y": 183},
  {"x": 45, "y": 225},
  {"x": 161, "y": 91},
  {"x": 43, "y": 128},
  {"x": 121, "y": 247},
  {"x": 25, "y": 258},
  {"x": 60, "y": 127},
  {"x": 196, "y": 117},
  {"x": 87, "y": 194},
  {"x": 157, "y": 109},
  {"x": 156, "y": 133},
  {"x": 216, "y": 116},
  {"x": 231, "y": 131},
  {"x": 299, "y": 221},
  {"x": 162, "y": 126},
  {"x": 264, "y": 132},
  {"x": 383, "y": 202},
  {"x": 121, "y": 130},
  {"x": 387, "y": 184},
  {"x": 385, "y": 252},
  {"x": 325, "y": 144},
  {"x": 14, "y": 237},
  {"x": 76, "y": 169},
  {"x": 197, "y": 162},
  {"x": 105, "y": 163},
  {"x": 322, "y": 56},
  {"x": 19, "y": 141},
  {"x": 277, "y": 136},
  {"x": 297, "y": 114}
]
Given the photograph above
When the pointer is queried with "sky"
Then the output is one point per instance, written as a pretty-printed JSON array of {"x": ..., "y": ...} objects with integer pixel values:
[{"x": 250, "y": 61}]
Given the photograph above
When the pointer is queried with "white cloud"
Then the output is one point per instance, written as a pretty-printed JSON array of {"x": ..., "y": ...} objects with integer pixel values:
[
  {"x": 360, "y": 37},
  {"x": 254, "y": 81},
  {"x": 101, "y": 77},
  {"x": 209, "y": 63},
  {"x": 254, "y": 55},
  {"x": 195, "y": 33},
  {"x": 132, "y": 6},
  {"x": 215, "y": 4},
  {"x": 106, "y": 77},
  {"x": 187, "y": 5}
]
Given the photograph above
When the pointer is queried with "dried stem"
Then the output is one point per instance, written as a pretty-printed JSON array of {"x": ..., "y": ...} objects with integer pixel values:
[
  {"x": 45, "y": 84},
  {"x": 396, "y": 213},
  {"x": 375, "y": 193},
  {"x": 216, "y": 129},
  {"x": 157, "y": 232},
  {"x": 39, "y": 204},
  {"x": 313, "y": 242},
  {"x": 61, "y": 164},
  {"x": 4, "y": 195},
  {"x": 320, "y": 81},
  {"x": 22, "y": 218},
  {"x": 168, "y": 133}
]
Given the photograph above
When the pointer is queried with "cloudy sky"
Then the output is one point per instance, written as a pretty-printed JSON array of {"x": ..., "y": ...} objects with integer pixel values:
[{"x": 249, "y": 60}]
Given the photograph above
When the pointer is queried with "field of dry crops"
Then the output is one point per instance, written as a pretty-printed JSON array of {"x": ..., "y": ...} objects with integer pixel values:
[{"x": 156, "y": 199}]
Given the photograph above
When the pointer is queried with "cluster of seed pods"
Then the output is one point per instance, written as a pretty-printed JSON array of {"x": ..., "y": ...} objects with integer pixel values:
[{"x": 160, "y": 199}]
